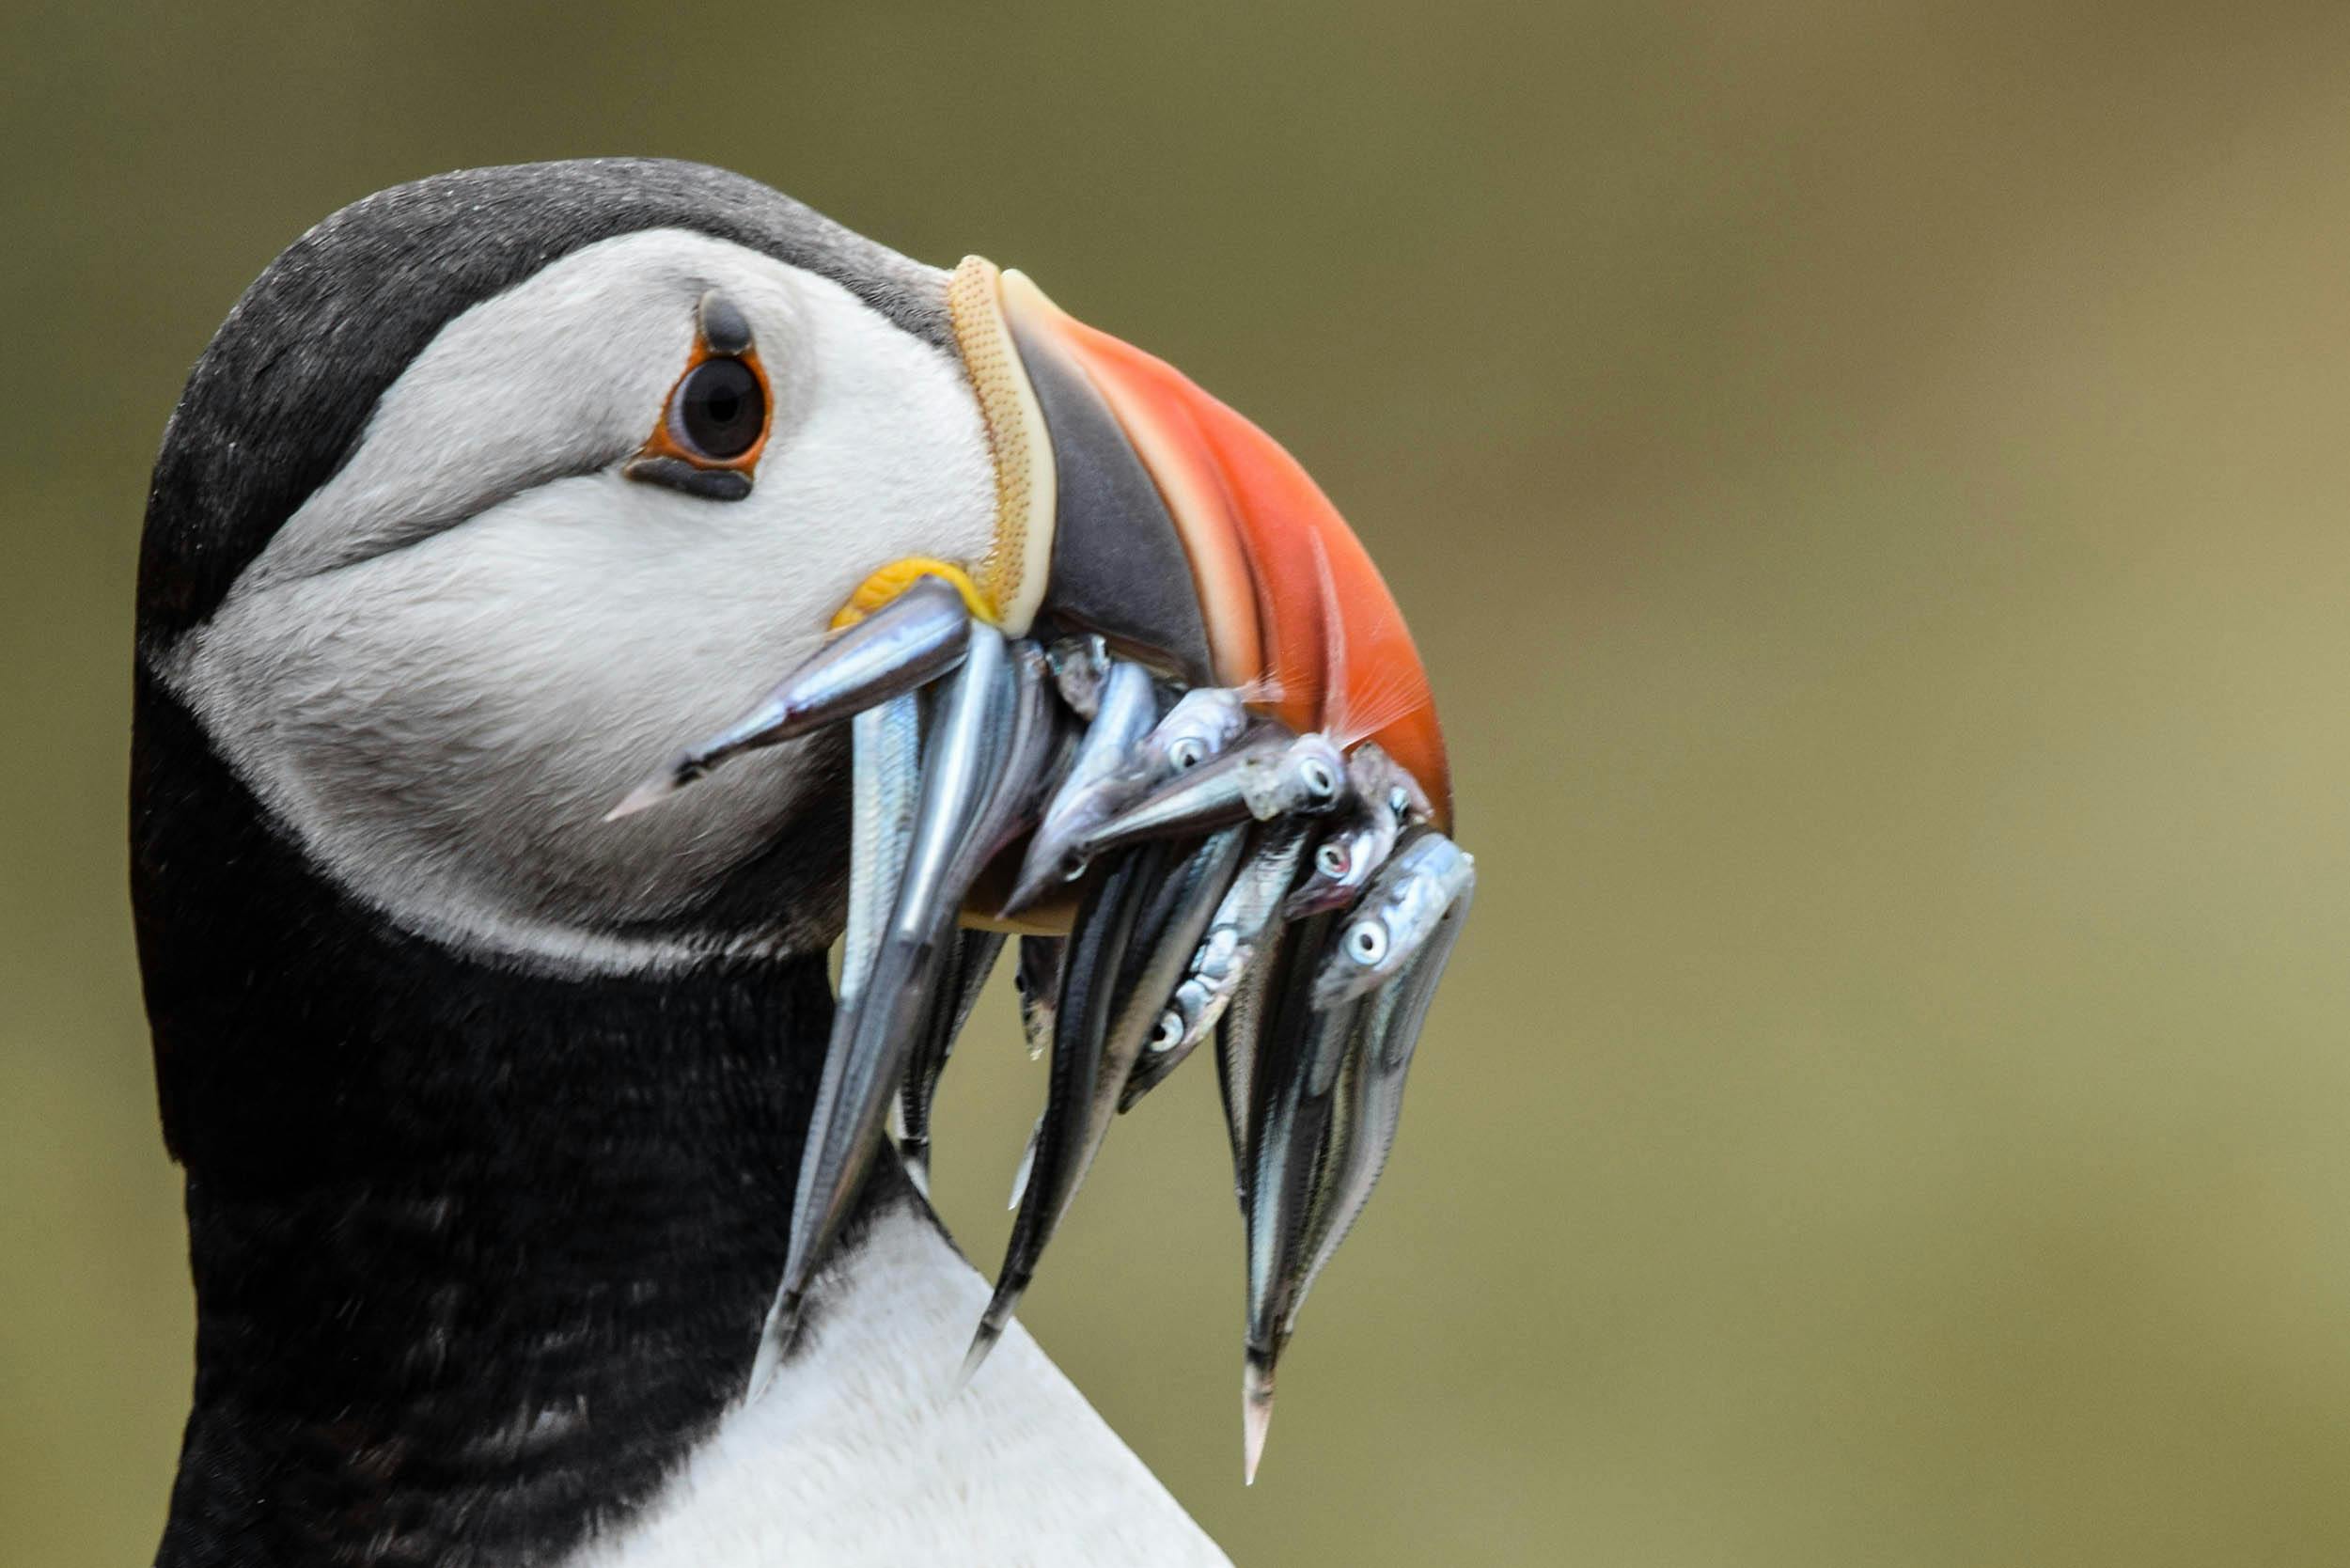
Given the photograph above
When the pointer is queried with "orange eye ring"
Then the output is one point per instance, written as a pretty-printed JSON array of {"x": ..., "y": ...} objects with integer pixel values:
[{"x": 722, "y": 389}]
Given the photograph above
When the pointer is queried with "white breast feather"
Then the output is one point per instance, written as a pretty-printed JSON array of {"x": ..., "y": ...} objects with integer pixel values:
[{"x": 858, "y": 1453}]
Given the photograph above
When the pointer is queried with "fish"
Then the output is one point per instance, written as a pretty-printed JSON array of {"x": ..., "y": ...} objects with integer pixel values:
[
  {"x": 1201, "y": 724},
  {"x": 900, "y": 648},
  {"x": 1241, "y": 1038},
  {"x": 1079, "y": 667},
  {"x": 1396, "y": 914},
  {"x": 885, "y": 786},
  {"x": 1231, "y": 944},
  {"x": 1010, "y": 807},
  {"x": 875, "y": 1032},
  {"x": 1098, "y": 781},
  {"x": 1308, "y": 778},
  {"x": 1340, "y": 1096},
  {"x": 967, "y": 968},
  {"x": 1369, "y": 1100},
  {"x": 1269, "y": 773},
  {"x": 1170, "y": 931},
  {"x": 1288, "y": 1126},
  {"x": 1172, "y": 900},
  {"x": 1387, "y": 799},
  {"x": 1097, "y": 944}
]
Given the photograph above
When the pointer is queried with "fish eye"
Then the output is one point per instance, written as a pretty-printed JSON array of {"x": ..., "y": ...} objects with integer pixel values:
[
  {"x": 1186, "y": 753},
  {"x": 1331, "y": 859},
  {"x": 1169, "y": 1030},
  {"x": 1318, "y": 779},
  {"x": 1367, "y": 942},
  {"x": 719, "y": 410},
  {"x": 1400, "y": 802}
]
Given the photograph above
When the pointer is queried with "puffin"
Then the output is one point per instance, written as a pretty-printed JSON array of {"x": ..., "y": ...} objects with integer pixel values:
[{"x": 492, "y": 489}]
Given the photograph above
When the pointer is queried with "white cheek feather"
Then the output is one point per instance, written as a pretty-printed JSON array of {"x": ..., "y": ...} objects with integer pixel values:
[
  {"x": 443, "y": 716},
  {"x": 858, "y": 1453}
]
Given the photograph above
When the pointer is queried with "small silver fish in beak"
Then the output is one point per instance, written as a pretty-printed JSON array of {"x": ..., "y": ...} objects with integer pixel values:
[
  {"x": 1370, "y": 1104},
  {"x": 1080, "y": 665},
  {"x": 1290, "y": 1127},
  {"x": 905, "y": 645},
  {"x": 1196, "y": 729},
  {"x": 1308, "y": 780},
  {"x": 1127, "y": 706},
  {"x": 1397, "y": 913},
  {"x": 1104, "y": 1018},
  {"x": 1270, "y": 773},
  {"x": 1081, "y": 1016},
  {"x": 1234, "y": 942},
  {"x": 967, "y": 968},
  {"x": 1386, "y": 801},
  {"x": 1202, "y": 725},
  {"x": 873, "y": 1035},
  {"x": 1241, "y": 1038},
  {"x": 886, "y": 773},
  {"x": 1344, "y": 1109},
  {"x": 1011, "y": 807}
]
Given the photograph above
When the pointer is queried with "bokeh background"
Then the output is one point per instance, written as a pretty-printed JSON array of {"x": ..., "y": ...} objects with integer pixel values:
[{"x": 1869, "y": 479}]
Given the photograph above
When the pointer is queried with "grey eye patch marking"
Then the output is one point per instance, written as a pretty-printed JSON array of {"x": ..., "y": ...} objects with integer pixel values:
[{"x": 724, "y": 327}]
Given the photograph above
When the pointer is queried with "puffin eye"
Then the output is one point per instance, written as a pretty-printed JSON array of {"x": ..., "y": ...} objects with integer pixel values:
[
  {"x": 718, "y": 410},
  {"x": 706, "y": 440}
]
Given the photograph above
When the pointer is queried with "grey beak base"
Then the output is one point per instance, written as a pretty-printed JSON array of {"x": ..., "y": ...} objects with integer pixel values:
[{"x": 1119, "y": 566}]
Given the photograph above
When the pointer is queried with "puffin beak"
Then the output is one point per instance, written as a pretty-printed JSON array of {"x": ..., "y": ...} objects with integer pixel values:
[
  {"x": 1144, "y": 533},
  {"x": 1132, "y": 504}
]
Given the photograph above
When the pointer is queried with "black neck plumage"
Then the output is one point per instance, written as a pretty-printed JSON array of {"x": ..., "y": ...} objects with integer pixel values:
[{"x": 479, "y": 1254}]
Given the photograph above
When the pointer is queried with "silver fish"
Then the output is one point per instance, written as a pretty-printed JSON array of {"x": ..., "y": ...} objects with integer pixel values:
[
  {"x": 1310, "y": 778},
  {"x": 1203, "y": 723},
  {"x": 967, "y": 967},
  {"x": 1387, "y": 799},
  {"x": 1396, "y": 914},
  {"x": 1011, "y": 807},
  {"x": 1370, "y": 1102},
  {"x": 1032, "y": 755},
  {"x": 1174, "y": 906},
  {"x": 1096, "y": 785},
  {"x": 1269, "y": 773},
  {"x": 1079, "y": 667},
  {"x": 1232, "y": 943},
  {"x": 1097, "y": 944},
  {"x": 873, "y": 1034},
  {"x": 885, "y": 781},
  {"x": 1356, "y": 1094},
  {"x": 1241, "y": 1039},
  {"x": 1288, "y": 1137},
  {"x": 904, "y": 645}
]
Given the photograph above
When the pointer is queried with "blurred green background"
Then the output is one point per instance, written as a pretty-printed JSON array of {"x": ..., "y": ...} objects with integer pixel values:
[{"x": 1868, "y": 481}]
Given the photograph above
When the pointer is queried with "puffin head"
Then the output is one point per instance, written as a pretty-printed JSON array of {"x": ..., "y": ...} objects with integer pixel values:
[{"x": 497, "y": 486}]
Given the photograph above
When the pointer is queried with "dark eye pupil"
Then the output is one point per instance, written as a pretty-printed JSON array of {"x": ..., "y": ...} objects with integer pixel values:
[{"x": 720, "y": 409}]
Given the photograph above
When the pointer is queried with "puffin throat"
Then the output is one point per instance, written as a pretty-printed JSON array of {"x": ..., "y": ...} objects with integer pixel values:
[{"x": 479, "y": 1253}]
